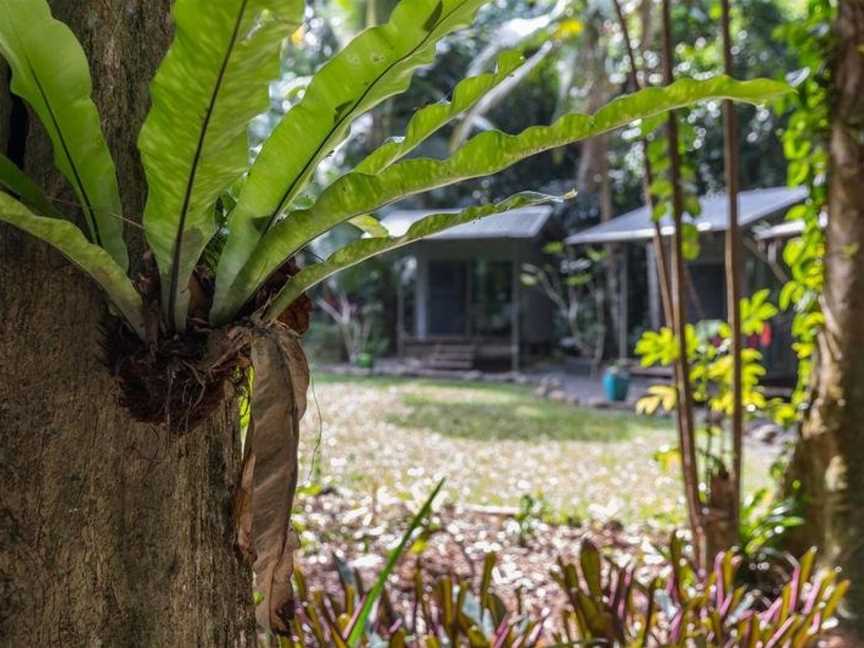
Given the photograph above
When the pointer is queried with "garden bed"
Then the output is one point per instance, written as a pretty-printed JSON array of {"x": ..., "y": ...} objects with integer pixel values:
[{"x": 342, "y": 529}]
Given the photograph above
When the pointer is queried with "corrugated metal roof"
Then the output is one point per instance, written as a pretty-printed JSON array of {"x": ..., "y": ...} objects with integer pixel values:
[
  {"x": 754, "y": 205},
  {"x": 784, "y": 230},
  {"x": 522, "y": 223}
]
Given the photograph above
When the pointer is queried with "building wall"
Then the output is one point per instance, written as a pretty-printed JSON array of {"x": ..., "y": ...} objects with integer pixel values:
[
  {"x": 708, "y": 274},
  {"x": 536, "y": 313},
  {"x": 778, "y": 357}
]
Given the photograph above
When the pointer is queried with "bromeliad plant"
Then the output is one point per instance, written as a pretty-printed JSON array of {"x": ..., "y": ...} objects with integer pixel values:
[
  {"x": 447, "y": 611},
  {"x": 606, "y": 605},
  {"x": 609, "y": 606},
  {"x": 223, "y": 233}
]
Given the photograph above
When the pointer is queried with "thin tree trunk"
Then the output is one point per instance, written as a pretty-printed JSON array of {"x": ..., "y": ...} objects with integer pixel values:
[
  {"x": 377, "y": 13},
  {"x": 112, "y": 533},
  {"x": 646, "y": 37},
  {"x": 689, "y": 469},
  {"x": 687, "y": 432},
  {"x": 592, "y": 178},
  {"x": 648, "y": 177},
  {"x": 722, "y": 530},
  {"x": 829, "y": 457}
]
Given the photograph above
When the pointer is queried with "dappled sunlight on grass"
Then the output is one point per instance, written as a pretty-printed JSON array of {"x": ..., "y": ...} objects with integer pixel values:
[
  {"x": 494, "y": 443},
  {"x": 473, "y": 414}
]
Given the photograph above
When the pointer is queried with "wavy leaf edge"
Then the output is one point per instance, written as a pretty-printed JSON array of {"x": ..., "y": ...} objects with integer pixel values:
[
  {"x": 339, "y": 202},
  {"x": 365, "y": 248}
]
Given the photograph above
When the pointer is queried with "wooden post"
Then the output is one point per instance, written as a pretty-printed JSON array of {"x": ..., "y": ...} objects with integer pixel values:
[
  {"x": 623, "y": 303},
  {"x": 468, "y": 331},
  {"x": 515, "y": 309},
  {"x": 421, "y": 297},
  {"x": 654, "y": 306},
  {"x": 400, "y": 308}
]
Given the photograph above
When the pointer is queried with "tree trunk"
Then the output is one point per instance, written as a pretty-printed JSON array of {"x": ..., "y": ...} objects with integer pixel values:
[
  {"x": 592, "y": 179},
  {"x": 678, "y": 307},
  {"x": 830, "y": 455},
  {"x": 112, "y": 533}
]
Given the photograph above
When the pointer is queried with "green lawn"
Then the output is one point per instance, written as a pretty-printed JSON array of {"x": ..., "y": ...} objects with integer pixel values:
[{"x": 393, "y": 438}]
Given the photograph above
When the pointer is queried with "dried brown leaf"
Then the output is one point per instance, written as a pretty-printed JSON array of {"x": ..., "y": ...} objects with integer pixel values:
[{"x": 278, "y": 403}]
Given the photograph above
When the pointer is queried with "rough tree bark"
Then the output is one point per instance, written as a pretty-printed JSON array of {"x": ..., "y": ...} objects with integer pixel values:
[
  {"x": 830, "y": 454},
  {"x": 112, "y": 533}
]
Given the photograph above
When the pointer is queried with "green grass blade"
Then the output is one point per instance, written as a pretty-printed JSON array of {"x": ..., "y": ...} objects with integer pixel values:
[
  {"x": 485, "y": 154},
  {"x": 194, "y": 143},
  {"x": 50, "y": 72},
  {"x": 374, "y": 66},
  {"x": 362, "y": 249},
  {"x": 91, "y": 258},
  {"x": 359, "y": 625}
]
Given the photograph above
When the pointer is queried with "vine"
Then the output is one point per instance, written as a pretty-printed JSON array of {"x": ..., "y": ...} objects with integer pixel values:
[{"x": 805, "y": 144}]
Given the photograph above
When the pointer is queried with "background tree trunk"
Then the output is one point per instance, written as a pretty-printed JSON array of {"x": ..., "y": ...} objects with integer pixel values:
[
  {"x": 592, "y": 179},
  {"x": 830, "y": 454},
  {"x": 112, "y": 533}
]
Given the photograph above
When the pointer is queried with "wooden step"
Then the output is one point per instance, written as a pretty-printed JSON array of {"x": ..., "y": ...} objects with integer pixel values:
[
  {"x": 449, "y": 363},
  {"x": 452, "y": 356}
]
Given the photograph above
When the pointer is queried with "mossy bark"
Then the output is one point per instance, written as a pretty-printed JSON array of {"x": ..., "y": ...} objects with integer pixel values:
[
  {"x": 112, "y": 533},
  {"x": 829, "y": 458}
]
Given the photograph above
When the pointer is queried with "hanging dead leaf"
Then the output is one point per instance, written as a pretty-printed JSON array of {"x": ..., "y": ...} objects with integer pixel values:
[{"x": 278, "y": 403}]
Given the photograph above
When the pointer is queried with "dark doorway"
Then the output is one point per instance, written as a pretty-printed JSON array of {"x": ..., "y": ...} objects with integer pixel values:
[
  {"x": 707, "y": 294},
  {"x": 448, "y": 297},
  {"x": 491, "y": 298}
]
